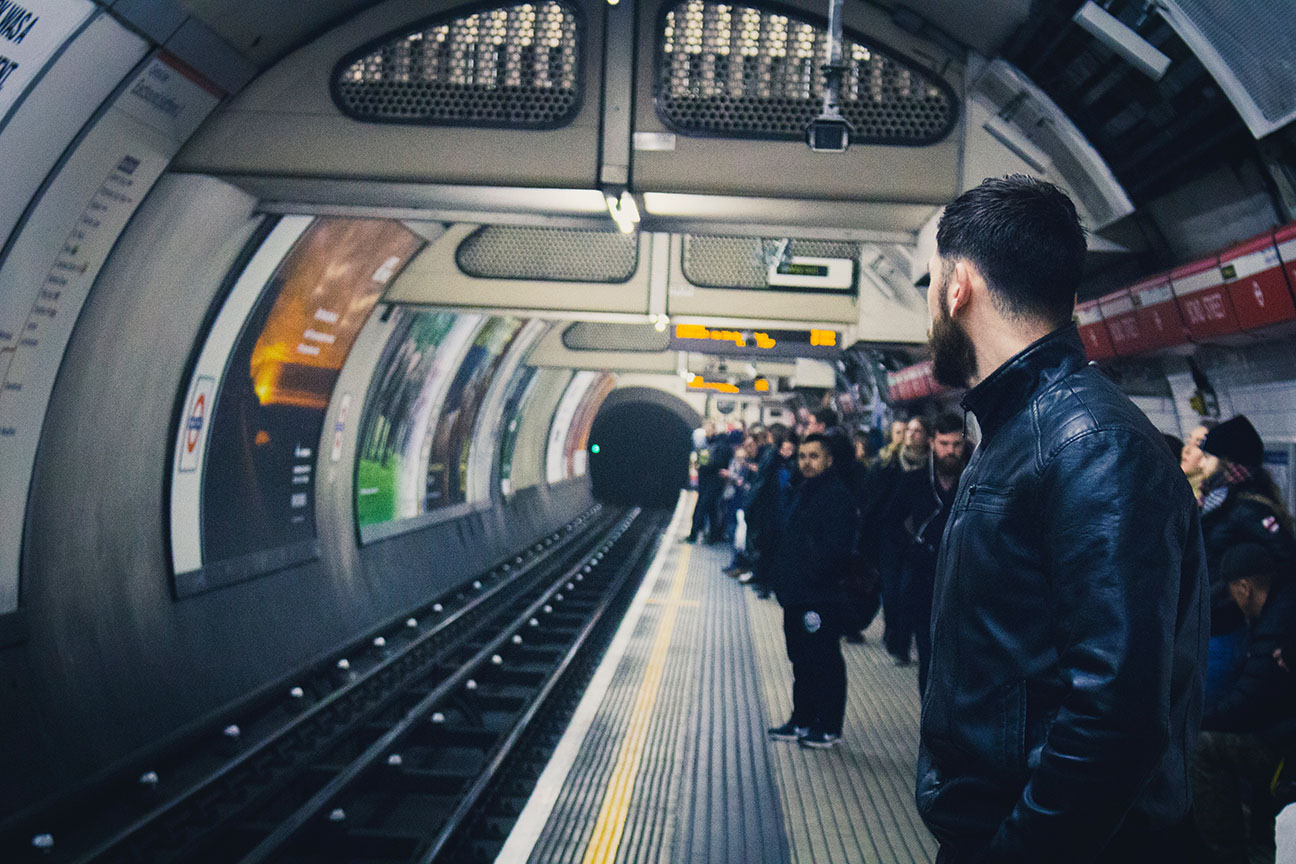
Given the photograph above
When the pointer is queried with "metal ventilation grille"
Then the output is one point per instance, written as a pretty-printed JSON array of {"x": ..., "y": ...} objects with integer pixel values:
[
  {"x": 515, "y": 67},
  {"x": 1246, "y": 45},
  {"x": 590, "y": 336},
  {"x": 743, "y": 262},
  {"x": 745, "y": 72},
  {"x": 548, "y": 254}
]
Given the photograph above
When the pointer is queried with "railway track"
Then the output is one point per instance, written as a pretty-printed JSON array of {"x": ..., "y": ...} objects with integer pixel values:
[{"x": 420, "y": 744}]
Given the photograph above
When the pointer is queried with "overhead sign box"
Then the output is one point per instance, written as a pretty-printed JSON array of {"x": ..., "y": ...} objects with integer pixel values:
[
  {"x": 1257, "y": 283},
  {"x": 1159, "y": 322},
  {"x": 817, "y": 274},
  {"x": 1203, "y": 300},
  {"x": 1122, "y": 322},
  {"x": 1093, "y": 330},
  {"x": 733, "y": 342}
]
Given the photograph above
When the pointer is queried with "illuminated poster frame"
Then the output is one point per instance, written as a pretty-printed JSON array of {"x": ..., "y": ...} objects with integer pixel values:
[
  {"x": 448, "y": 464},
  {"x": 243, "y": 490}
]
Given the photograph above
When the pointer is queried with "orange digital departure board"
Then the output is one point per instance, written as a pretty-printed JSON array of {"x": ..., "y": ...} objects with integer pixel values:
[{"x": 754, "y": 343}]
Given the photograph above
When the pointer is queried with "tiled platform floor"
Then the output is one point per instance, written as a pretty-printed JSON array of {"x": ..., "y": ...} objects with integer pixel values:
[{"x": 675, "y": 766}]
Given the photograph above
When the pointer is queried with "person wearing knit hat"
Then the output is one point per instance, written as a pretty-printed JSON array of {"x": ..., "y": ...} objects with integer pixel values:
[
  {"x": 1237, "y": 441},
  {"x": 1240, "y": 504}
]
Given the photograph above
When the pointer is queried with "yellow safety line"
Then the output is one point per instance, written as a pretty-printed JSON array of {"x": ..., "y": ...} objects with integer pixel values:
[{"x": 606, "y": 839}]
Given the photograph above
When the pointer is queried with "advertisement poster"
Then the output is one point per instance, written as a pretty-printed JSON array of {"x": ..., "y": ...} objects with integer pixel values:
[
  {"x": 521, "y": 389},
  {"x": 258, "y": 490},
  {"x": 390, "y": 432},
  {"x": 447, "y": 475}
]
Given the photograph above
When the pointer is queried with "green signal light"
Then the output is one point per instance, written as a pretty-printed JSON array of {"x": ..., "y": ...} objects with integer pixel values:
[{"x": 594, "y": 449}]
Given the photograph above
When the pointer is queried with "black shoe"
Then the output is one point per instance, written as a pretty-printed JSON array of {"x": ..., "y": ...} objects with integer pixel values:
[
  {"x": 901, "y": 661},
  {"x": 819, "y": 739},
  {"x": 788, "y": 732},
  {"x": 764, "y": 594},
  {"x": 855, "y": 638},
  {"x": 689, "y": 539}
]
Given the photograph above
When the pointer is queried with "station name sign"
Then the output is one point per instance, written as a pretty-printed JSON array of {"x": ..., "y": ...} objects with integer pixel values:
[{"x": 732, "y": 342}]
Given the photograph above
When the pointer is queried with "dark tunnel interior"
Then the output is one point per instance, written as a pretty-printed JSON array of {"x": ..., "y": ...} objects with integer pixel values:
[{"x": 642, "y": 454}]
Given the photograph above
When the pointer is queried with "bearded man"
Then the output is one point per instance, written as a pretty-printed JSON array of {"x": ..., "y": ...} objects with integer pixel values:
[{"x": 1070, "y": 612}]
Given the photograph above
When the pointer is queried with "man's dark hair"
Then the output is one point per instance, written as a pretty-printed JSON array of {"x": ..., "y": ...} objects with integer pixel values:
[
  {"x": 826, "y": 416},
  {"x": 1025, "y": 237},
  {"x": 778, "y": 433},
  {"x": 947, "y": 422},
  {"x": 818, "y": 438}
]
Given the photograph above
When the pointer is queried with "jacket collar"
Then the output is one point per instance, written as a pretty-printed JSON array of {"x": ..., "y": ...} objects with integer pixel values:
[{"x": 1010, "y": 387}]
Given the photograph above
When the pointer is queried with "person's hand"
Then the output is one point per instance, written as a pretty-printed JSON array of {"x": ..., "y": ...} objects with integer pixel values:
[{"x": 1277, "y": 655}]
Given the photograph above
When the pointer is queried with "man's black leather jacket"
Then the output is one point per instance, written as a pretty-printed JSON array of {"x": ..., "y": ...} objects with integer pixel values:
[{"x": 1070, "y": 623}]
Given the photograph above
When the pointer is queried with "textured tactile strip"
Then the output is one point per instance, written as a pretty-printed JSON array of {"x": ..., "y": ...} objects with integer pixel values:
[
  {"x": 731, "y": 810},
  {"x": 704, "y": 789},
  {"x": 855, "y": 802}
]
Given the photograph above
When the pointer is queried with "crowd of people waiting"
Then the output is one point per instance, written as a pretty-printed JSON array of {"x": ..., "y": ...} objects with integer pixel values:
[
  {"x": 837, "y": 530},
  {"x": 840, "y": 530}
]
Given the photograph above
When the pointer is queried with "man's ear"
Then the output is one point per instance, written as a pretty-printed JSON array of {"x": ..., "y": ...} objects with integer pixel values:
[{"x": 960, "y": 286}]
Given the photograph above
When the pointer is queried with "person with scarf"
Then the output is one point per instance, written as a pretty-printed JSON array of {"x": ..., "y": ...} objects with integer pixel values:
[
  {"x": 1239, "y": 504},
  {"x": 911, "y": 456}
]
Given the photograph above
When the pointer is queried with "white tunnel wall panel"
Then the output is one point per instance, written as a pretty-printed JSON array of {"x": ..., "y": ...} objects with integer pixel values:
[
  {"x": 787, "y": 168},
  {"x": 555, "y": 452},
  {"x": 576, "y": 447},
  {"x": 286, "y": 121},
  {"x": 57, "y": 105},
  {"x": 55, "y": 256},
  {"x": 530, "y": 465},
  {"x": 259, "y": 456}
]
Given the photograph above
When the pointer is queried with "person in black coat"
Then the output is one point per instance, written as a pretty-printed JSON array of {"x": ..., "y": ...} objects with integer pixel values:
[
  {"x": 768, "y": 496},
  {"x": 1071, "y": 612},
  {"x": 813, "y": 552},
  {"x": 915, "y": 522},
  {"x": 1239, "y": 505},
  {"x": 912, "y": 457},
  {"x": 707, "y": 512},
  {"x": 1247, "y": 728}
]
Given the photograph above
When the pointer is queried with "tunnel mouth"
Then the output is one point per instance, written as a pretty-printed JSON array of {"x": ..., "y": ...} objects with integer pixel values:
[{"x": 639, "y": 453}]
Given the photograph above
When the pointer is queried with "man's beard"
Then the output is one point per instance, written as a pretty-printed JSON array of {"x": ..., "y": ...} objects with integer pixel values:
[
  {"x": 950, "y": 466},
  {"x": 953, "y": 356}
]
